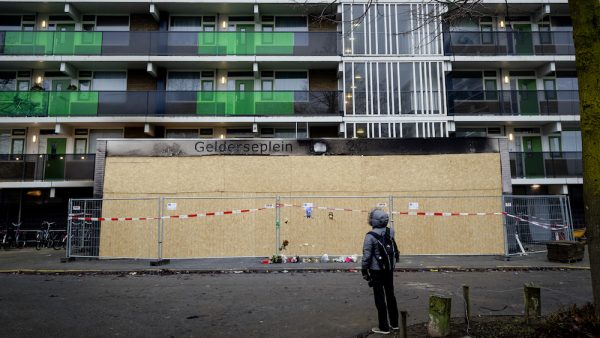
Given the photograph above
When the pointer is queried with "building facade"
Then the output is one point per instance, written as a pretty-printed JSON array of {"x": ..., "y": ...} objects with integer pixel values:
[{"x": 72, "y": 73}]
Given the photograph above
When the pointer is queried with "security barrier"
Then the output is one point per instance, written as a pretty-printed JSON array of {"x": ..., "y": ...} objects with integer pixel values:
[{"x": 259, "y": 226}]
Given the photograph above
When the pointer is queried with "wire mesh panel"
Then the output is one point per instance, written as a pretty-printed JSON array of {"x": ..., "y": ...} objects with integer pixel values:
[
  {"x": 218, "y": 227},
  {"x": 533, "y": 221},
  {"x": 449, "y": 225},
  {"x": 83, "y": 235},
  {"x": 317, "y": 225},
  {"x": 114, "y": 228}
]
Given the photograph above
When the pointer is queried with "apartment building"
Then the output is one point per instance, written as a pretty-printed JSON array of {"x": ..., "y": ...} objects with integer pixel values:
[{"x": 72, "y": 73}]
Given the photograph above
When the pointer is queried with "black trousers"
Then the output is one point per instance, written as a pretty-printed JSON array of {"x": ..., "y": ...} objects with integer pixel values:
[{"x": 385, "y": 300}]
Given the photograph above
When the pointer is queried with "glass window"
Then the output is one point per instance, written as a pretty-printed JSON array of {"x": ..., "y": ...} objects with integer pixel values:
[
  {"x": 409, "y": 130},
  {"x": 182, "y": 133},
  {"x": 555, "y": 146},
  {"x": 17, "y": 146},
  {"x": 550, "y": 89},
  {"x": 297, "y": 81},
  {"x": 96, "y": 134},
  {"x": 5, "y": 141},
  {"x": 267, "y": 36},
  {"x": 361, "y": 130},
  {"x": 471, "y": 132},
  {"x": 8, "y": 81},
  {"x": 208, "y": 93},
  {"x": 267, "y": 89},
  {"x": 571, "y": 141},
  {"x": 545, "y": 35},
  {"x": 291, "y": 24},
  {"x": 23, "y": 85},
  {"x": 80, "y": 146},
  {"x": 186, "y": 23},
  {"x": 10, "y": 22},
  {"x": 109, "y": 81},
  {"x": 183, "y": 81},
  {"x": 112, "y": 23},
  {"x": 490, "y": 89},
  {"x": 487, "y": 37}
]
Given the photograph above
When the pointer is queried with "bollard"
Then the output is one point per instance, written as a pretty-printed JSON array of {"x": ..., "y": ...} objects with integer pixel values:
[
  {"x": 404, "y": 332},
  {"x": 533, "y": 304},
  {"x": 439, "y": 316},
  {"x": 467, "y": 300}
]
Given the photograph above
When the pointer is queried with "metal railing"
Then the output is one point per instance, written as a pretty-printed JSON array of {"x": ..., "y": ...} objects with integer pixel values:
[
  {"x": 169, "y": 103},
  {"x": 170, "y": 43},
  {"x": 47, "y": 167},
  {"x": 509, "y": 43},
  {"x": 513, "y": 102},
  {"x": 556, "y": 164}
]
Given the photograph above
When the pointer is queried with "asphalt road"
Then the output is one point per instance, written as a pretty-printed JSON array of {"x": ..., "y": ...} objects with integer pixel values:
[{"x": 253, "y": 305}]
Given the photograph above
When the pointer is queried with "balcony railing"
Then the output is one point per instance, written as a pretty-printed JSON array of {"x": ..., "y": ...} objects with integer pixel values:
[
  {"x": 509, "y": 43},
  {"x": 169, "y": 103},
  {"x": 513, "y": 102},
  {"x": 52, "y": 167},
  {"x": 558, "y": 164},
  {"x": 170, "y": 43}
]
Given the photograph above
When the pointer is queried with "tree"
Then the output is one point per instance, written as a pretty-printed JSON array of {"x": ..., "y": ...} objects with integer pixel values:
[{"x": 585, "y": 15}]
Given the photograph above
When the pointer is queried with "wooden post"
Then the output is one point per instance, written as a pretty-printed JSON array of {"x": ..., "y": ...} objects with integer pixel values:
[
  {"x": 533, "y": 304},
  {"x": 467, "y": 300},
  {"x": 403, "y": 332},
  {"x": 439, "y": 316}
]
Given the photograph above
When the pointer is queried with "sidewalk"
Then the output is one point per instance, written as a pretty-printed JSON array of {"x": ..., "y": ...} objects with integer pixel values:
[{"x": 29, "y": 260}]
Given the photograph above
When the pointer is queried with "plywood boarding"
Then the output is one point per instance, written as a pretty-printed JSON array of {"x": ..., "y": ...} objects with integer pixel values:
[
  {"x": 254, "y": 234},
  {"x": 135, "y": 239}
]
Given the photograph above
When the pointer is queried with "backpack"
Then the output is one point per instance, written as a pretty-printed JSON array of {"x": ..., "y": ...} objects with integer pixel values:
[{"x": 387, "y": 248}]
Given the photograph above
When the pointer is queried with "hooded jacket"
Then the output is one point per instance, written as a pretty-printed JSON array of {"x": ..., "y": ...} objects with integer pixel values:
[{"x": 378, "y": 219}]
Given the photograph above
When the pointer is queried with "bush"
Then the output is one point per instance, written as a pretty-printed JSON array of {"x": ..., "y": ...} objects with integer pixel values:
[{"x": 570, "y": 322}]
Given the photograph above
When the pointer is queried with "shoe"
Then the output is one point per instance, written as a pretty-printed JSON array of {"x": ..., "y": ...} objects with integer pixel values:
[
  {"x": 377, "y": 330},
  {"x": 394, "y": 328}
]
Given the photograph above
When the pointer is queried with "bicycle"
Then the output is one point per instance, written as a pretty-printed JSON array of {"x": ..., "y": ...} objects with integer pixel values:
[
  {"x": 61, "y": 242},
  {"x": 43, "y": 237},
  {"x": 18, "y": 238}
]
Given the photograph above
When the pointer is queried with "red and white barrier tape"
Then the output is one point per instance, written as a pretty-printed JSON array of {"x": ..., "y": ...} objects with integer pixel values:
[
  {"x": 554, "y": 227},
  {"x": 195, "y": 215}
]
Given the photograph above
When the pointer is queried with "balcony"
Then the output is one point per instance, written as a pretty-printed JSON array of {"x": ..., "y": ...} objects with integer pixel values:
[
  {"x": 508, "y": 43},
  {"x": 61, "y": 167},
  {"x": 170, "y": 103},
  {"x": 560, "y": 164},
  {"x": 170, "y": 43},
  {"x": 513, "y": 102}
]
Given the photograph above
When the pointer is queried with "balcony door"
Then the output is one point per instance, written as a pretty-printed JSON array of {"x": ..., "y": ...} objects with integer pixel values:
[
  {"x": 64, "y": 38},
  {"x": 533, "y": 156},
  {"x": 59, "y": 102},
  {"x": 245, "y": 39},
  {"x": 55, "y": 163},
  {"x": 244, "y": 97},
  {"x": 528, "y": 100},
  {"x": 523, "y": 39}
]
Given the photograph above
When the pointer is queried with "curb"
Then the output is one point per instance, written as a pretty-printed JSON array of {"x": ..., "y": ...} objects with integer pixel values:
[{"x": 165, "y": 272}]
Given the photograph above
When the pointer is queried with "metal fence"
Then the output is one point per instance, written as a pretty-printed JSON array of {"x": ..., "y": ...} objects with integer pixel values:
[
  {"x": 533, "y": 221},
  {"x": 201, "y": 227}
]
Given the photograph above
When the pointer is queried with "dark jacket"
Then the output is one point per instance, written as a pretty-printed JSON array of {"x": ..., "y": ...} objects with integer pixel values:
[{"x": 371, "y": 249}]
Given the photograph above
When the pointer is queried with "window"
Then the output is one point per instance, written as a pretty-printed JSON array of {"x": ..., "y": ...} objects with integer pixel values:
[
  {"x": 109, "y": 81},
  {"x": 208, "y": 93},
  {"x": 550, "y": 89},
  {"x": 17, "y": 146},
  {"x": 182, "y": 133},
  {"x": 487, "y": 36},
  {"x": 267, "y": 35},
  {"x": 297, "y": 81},
  {"x": 186, "y": 23},
  {"x": 8, "y": 81},
  {"x": 267, "y": 89},
  {"x": 183, "y": 81},
  {"x": 206, "y": 132},
  {"x": 112, "y": 23},
  {"x": 555, "y": 146},
  {"x": 545, "y": 35},
  {"x": 490, "y": 89},
  {"x": 471, "y": 132},
  {"x": 291, "y": 24},
  {"x": 80, "y": 146}
]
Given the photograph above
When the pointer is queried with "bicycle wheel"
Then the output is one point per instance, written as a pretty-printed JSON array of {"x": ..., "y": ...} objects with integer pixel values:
[
  {"x": 38, "y": 244},
  {"x": 58, "y": 244}
]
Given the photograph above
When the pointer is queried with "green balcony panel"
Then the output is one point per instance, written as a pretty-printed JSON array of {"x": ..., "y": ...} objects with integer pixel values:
[
  {"x": 23, "y": 103},
  {"x": 73, "y": 104},
  {"x": 78, "y": 43},
  {"x": 245, "y": 43},
  {"x": 245, "y": 103},
  {"x": 28, "y": 43}
]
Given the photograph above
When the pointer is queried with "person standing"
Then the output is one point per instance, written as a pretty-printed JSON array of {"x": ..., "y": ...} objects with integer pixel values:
[{"x": 380, "y": 254}]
